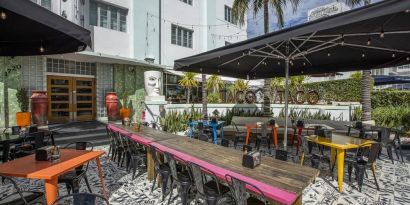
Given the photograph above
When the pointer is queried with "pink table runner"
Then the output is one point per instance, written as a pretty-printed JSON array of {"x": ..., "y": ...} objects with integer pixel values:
[{"x": 279, "y": 195}]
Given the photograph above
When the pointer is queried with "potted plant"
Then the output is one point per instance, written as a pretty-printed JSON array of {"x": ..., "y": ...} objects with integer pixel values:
[
  {"x": 23, "y": 118},
  {"x": 124, "y": 111}
]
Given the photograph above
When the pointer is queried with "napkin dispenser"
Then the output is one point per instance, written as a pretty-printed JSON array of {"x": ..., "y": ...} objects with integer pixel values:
[
  {"x": 44, "y": 153},
  {"x": 251, "y": 159}
]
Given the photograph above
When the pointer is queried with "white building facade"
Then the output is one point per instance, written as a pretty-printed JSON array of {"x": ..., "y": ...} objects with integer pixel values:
[{"x": 128, "y": 38}]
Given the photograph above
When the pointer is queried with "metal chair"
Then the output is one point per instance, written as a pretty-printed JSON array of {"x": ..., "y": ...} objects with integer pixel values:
[
  {"x": 182, "y": 180},
  {"x": 315, "y": 158},
  {"x": 15, "y": 130},
  {"x": 5, "y": 151},
  {"x": 135, "y": 154},
  {"x": 72, "y": 178},
  {"x": 160, "y": 168},
  {"x": 239, "y": 136},
  {"x": 397, "y": 143},
  {"x": 263, "y": 138},
  {"x": 365, "y": 158},
  {"x": 21, "y": 197},
  {"x": 113, "y": 144},
  {"x": 387, "y": 142},
  {"x": 81, "y": 199},
  {"x": 211, "y": 191},
  {"x": 240, "y": 195}
]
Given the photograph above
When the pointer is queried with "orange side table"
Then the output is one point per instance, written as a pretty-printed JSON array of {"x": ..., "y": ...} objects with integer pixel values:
[{"x": 28, "y": 167}]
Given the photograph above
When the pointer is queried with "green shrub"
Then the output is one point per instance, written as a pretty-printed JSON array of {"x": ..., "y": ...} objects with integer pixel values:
[
  {"x": 347, "y": 90},
  {"x": 392, "y": 116},
  {"x": 213, "y": 98},
  {"x": 390, "y": 98}
]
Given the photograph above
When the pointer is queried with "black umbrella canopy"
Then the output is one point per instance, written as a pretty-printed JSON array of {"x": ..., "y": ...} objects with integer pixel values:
[
  {"x": 373, "y": 36},
  {"x": 29, "y": 29}
]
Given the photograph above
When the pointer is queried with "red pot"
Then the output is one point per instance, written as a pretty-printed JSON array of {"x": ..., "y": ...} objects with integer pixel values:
[
  {"x": 111, "y": 103},
  {"x": 39, "y": 107}
]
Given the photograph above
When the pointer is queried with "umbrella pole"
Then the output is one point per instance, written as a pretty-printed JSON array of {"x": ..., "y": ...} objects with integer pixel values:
[{"x": 285, "y": 135}]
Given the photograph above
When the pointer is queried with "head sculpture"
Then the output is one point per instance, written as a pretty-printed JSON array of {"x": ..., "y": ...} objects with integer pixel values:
[{"x": 152, "y": 82}]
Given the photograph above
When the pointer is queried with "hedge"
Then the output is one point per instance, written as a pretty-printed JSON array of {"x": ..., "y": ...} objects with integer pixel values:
[
  {"x": 390, "y": 98},
  {"x": 347, "y": 90},
  {"x": 392, "y": 116}
]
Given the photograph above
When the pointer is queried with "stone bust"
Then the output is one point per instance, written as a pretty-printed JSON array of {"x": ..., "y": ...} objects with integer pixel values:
[{"x": 152, "y": 82}]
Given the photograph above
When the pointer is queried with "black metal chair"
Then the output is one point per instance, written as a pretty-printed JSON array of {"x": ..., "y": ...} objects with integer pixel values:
[
  {"x": 21, "y": 197},
  {"x": 81, "y": 199},
  {"x": 31, "y": 142},
  {"x": 281, "y": 155},
  {"x": 263, "y": 138},
  {"x": 15, "y": 130},
  {"x": 135, "y": 155},
  {"x": 239, "y": 136},
  {"x": 73, "y": 178},
  {"x": 120, "y": 149},
  {"x": 5, "y": 151},
  {"x": 160, "y": 168},
  {"x": 211, "y": 191},
  {"x": 202, "y": 133},
  {"x": 388, "y": 143},
  {"x": 397, "y": 142},
  {"x": 112, "y": 148},
  {"x": 181, "y": 179},
  {"x": 365, "y": 158},
  {"x": 240, "y": 194},
  {"x": 315, "y": 158},
  {"x": 225, "y": 142}
]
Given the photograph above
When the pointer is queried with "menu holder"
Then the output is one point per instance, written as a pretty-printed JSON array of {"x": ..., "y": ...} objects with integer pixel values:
[
  {"x": 48, "y": 153},
  {"x": 251, "y": 159}
]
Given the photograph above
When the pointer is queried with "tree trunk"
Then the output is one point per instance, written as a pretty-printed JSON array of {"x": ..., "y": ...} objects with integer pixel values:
[
  {"x": 204, "y": 98},
  {"x": 6, "y": 100},
  {"x": 188, "y": 95},
  {"x": 266, "y": 82},
  {"x": 366, "y": 91}
]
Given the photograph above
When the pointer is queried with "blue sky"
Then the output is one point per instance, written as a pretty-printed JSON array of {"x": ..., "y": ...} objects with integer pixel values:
[{"x": 255, "y": 25}]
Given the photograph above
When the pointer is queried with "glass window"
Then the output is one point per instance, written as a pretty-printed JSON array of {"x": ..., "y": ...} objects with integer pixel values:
[
  {"x": 187, "y": 2},
  {"x": 114, "y": 19},
  {"x": 108, "y": 16},
  {"x": 103, "y": 15},
  {"x": 46, "y": 4},
  {"x": 181, "y": 36},
  {"x": 123, "y": 21},
  {"x": 228, "y": 15}
]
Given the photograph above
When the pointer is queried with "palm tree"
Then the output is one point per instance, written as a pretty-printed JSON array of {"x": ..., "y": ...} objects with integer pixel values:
[
  {"x": 188, "y": 81},
  {"x": 277, "y": 84},
  {"x": 240, "y": 85},
  {"x": 214, "y": 83},
  {"x": 204, "y": 98},
  {"x": 240, "y": 9},
  {"x": 366, "y": 76}
]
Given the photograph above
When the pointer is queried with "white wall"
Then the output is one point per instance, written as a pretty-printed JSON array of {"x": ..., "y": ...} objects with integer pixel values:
[{"x": 111, "y": 42}]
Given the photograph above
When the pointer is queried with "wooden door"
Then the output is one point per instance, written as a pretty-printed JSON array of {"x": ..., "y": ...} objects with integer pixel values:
[{"x": 70, "y": 99}]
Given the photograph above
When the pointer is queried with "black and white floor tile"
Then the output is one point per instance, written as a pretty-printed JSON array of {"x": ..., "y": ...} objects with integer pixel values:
[{"x": 393, "y": 179}]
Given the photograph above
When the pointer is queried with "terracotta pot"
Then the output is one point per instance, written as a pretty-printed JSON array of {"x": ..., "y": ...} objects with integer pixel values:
[
  {"x": 39, "y": 107},
  {"x": 125, "y": 112},
  {"x": 111, "y": 103},
  {"x": 23, "y": 119}
]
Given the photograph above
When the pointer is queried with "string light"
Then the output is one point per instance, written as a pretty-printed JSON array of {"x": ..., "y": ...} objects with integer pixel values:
[
  {"x": 369, "y": 41},
  {"x": 41, "y": 47},
  {"x": 407, "y": 11},
  {"x": 343, "y": 39},
  {"x": 247, "y": 77},
  {"x": 328, "y": 54},
  {"x": 408, "y": 58},
  {"x": 239, "y": 63},
  {"x": 304, "y": 64},
  {"x": 363, "y": 55},
  {"x": 382, "y": 33},
  {"x": 393, "y": 55},
  {"x": 3, "y": 15}
]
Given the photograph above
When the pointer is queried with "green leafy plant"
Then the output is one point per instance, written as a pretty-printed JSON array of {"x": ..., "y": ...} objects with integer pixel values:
[
  {"x": 213, "y": 98},
  {"x": 188, "y": 81},
  {"x": 214, "y": 83},
  {"x": 392, "y": 116},
  {"x": 390, "y": 98},
  {"x": 357, "y": 114},
  {"x": 125, "y": 99},
  {"x": 305, "y": 114},
  {"x": 22, "y": 99}
]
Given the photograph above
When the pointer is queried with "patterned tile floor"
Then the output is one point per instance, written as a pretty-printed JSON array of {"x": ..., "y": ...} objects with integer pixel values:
[{"x": 394, "y": 182}]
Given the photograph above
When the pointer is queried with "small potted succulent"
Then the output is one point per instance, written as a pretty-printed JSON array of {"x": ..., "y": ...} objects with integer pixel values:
[
  {"x": 23, "y": 118},
  {"x": 124, "y": 111}
]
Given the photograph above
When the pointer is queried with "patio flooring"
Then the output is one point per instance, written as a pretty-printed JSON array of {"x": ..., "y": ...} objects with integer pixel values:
[{"x": 394, "y": 182}]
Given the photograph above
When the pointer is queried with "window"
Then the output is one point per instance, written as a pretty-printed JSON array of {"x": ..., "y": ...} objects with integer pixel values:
[
  {"x": 181, "y": 36},
  {"x": 228, "y": 15},
  {"x": 44, "y": 3},
  {"x": 187, "y": 2},
  {"x": 107, "y": 16}
]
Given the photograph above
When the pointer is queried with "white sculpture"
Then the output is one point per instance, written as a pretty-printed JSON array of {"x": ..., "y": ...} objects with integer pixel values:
[{"x": 152, "y": 82}]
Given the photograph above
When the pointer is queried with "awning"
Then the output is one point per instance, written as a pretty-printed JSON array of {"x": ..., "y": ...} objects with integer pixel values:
[
  {"x": 390, "y": 79},
  {"x": 29, "y": 29},
  {"x": 373, "y": 36}
]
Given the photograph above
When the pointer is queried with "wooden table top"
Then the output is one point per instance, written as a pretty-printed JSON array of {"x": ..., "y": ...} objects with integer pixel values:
[
  {"x": 339, "y": 141},
  {"x": 150, "y": 134},
  {"x": 284, "y": 175},
  {"x": 259, "y": 125},
  {"x": 28, "y": 167}
]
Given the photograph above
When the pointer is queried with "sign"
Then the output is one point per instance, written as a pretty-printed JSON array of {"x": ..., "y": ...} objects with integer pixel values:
[{"x": 327, "y": 10}]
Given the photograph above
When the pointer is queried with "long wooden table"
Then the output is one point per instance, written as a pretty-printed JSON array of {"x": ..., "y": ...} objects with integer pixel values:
[
  {"x": 338, "y": 145},
  {"x": 280, "y": 181},
  {"x": 28, "y": 167}
]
